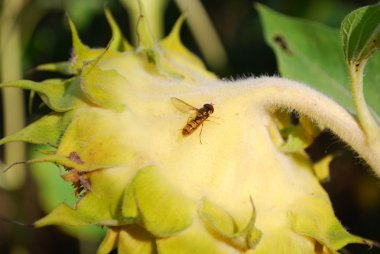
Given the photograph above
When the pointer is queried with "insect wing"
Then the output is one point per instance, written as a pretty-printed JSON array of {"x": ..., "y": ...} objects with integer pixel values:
[{"x": 182, "y": 106}]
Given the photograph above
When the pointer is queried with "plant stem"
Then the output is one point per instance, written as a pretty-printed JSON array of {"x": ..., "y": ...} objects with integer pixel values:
[
  {"x": 204, "y": 33},
  {"x": 279, "y": 93},
  {"x": 13, "y": 99},
  {"x": 366, "y": 120}
]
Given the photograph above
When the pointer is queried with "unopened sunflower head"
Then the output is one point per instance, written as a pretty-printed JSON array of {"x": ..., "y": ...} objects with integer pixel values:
[{"x": 237, "y": 182}]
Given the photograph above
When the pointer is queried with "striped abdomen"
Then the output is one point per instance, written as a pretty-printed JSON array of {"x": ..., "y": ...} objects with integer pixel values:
[{"x": 193, "y": 124}]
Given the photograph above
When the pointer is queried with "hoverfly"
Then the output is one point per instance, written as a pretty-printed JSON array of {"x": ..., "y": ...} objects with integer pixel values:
[{"x": 200, "y": 115}]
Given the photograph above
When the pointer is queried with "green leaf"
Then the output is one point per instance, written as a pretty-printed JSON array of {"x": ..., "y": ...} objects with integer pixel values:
[
  {"x": 47, "y": 130},
  {"x": 218, "y": 219},
  {"x": 224, "y": 225},
  {"x": 105, "y": 88},
  {"x": 154, "y": 11},
  {"x": 195, "y": 239},
  {"x": 305, "y": 219},
  {"x": 311, "y": 53},
  {"x": 173, "y": 43},
  {"x": 109, "y": 242},
  {"x": 100, "y": 205},
  {"x": 360, "y": 33},
  {"x": 59, "y": 95},
  {"x": 134, "y": 239},
  {"x": 161, "y": 208},
  {"x": 97, "y": 138},
  {"x": 118, "y": 43},
  {"x": 81, "y": 52},
  {"x": 60, "y": 67},
  {"x": 322, "y": 168},
  {"x": 52, "y": 190}
]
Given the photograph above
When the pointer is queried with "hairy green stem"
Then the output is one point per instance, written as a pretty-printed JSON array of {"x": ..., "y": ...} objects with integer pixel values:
[
  {"x": 367, "y": 121},
  {"x": 275, "y": 93}
]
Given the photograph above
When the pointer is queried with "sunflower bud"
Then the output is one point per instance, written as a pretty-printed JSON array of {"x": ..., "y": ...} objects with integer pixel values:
[{"x": 234, "y": 179}]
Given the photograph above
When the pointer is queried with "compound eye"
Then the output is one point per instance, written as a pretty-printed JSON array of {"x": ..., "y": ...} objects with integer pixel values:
[{"x": 209, "y": 108}]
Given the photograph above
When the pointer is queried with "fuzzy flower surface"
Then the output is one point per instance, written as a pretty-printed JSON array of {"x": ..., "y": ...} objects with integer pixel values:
[{"x": 235, "y": 184}]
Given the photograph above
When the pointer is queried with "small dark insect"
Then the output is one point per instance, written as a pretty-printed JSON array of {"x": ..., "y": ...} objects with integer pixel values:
[
  {"x": 282, "y": 43},
  {"x": 200, "y": 115},
  {"x": 294, "y": 117}
]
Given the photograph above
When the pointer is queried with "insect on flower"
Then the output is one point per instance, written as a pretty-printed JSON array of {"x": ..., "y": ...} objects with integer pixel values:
[{"x": 200, "y": 115}]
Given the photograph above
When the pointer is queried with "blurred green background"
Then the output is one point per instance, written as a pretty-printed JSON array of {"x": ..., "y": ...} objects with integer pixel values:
[{"x": 45, "y": 37}]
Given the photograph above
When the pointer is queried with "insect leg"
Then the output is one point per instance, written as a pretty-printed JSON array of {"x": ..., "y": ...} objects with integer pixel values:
[{"x": 200, "y": 134}]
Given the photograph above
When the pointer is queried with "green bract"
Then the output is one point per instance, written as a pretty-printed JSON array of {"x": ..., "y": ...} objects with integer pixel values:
[{"x": 247, "y": 188}]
